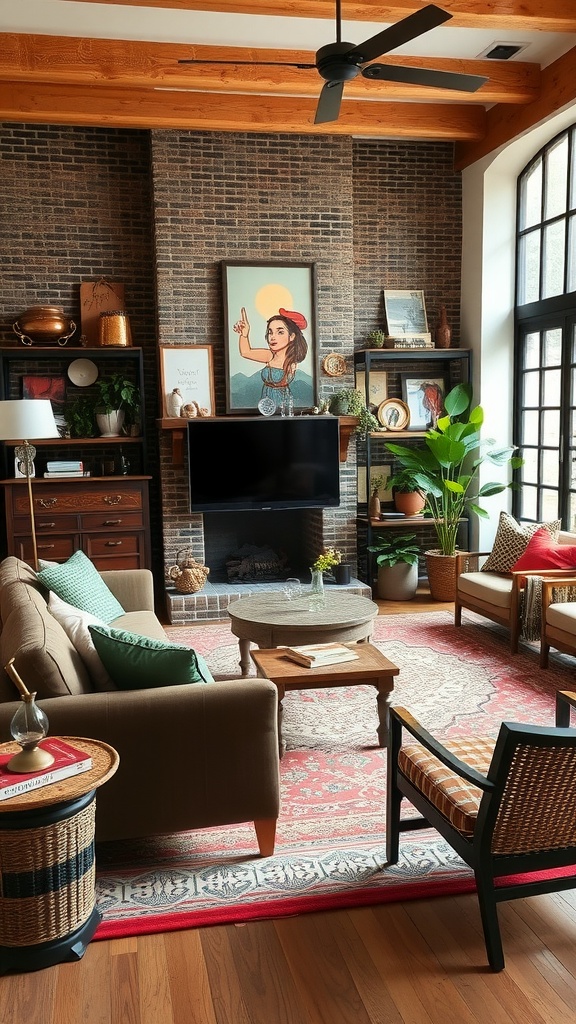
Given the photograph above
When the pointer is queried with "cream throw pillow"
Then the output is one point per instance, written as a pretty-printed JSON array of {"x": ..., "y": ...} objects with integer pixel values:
[
  {"x": 512, "y": 539},
  {"x": 75, "y": 624}
]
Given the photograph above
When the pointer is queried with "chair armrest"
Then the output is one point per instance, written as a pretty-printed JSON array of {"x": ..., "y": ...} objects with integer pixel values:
[
  {"x": 565, "y": 700},
  {"x": 465, "y": 771},
  {"x": 133, "y": 588},
  {"x": 463, "y": 558}
]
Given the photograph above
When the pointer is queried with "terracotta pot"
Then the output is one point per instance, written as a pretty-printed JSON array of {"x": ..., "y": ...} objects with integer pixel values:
[
  {"x": 410, "y": 503},
  {"x": 441, "y": 575}
]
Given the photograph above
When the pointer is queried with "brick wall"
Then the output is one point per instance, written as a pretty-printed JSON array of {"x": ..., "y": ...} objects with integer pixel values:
[{"x": 161, "y": 210}]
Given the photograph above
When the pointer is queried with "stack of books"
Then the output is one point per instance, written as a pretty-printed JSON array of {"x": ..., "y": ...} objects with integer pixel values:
[
  {"x": 75, "y": 467},
  {"x": 68, "y": 761},
  {"x": 315, "y": 655}
]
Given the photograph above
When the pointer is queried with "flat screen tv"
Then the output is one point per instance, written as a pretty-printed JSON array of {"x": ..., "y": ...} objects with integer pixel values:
[{"x": 256, "y": 463}]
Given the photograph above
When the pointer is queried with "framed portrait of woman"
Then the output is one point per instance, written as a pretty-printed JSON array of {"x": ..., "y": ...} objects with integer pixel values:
[{"x": 269, "y": 335}]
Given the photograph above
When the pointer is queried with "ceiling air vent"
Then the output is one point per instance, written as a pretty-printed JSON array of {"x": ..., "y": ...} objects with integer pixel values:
[{"x": 502, "y": 51}]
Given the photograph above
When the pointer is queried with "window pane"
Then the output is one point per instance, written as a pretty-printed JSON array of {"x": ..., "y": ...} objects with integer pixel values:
[
  {"x": 552, "y": 384},
  {"x": 553, "y": 258},
  {"x": 571, "y": 256},
  {"x": 549, "y": 506},
  {"x": 550, "y": 468},
  {"x": 531, "y": 197},
  {"x": 531, "y": 351},
  {"x": 530, "y": 467},
  {"x": 529, "y": 269},
  {"x": 530, "y": 427},
  {"x": 531, "y": 388},
  {"x": 572, "y": 513},
  {"x": 529, "y": 507},
  {"x": 556, "y": 178},
  {"x": 553, "y": 348},
  {"x": 551, "y": 427}
]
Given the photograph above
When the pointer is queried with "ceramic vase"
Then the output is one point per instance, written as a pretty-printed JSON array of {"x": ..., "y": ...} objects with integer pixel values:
[
  {"x": 443, "y": 335},
  {"x": 374, "y": 506}
]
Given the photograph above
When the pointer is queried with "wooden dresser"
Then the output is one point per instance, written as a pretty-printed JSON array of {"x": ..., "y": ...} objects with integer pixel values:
[{"x": 105, "y": 517}]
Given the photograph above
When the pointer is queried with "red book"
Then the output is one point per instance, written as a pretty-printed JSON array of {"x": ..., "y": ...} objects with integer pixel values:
[{"x": 68, "y": 760}]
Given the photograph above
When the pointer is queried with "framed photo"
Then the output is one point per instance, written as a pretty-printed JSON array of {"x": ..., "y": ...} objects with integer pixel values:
[
  {"x": 405, "y": 313},
  {"x": 375, "y": 471},
  {"x": 189, "y": 368},
  {"x": 269, "y": 334},
  {"x": 52, "y": 388},
  {"x": 393, "y": 414},
  {"x": 424, "y": 397},
  {"x": 377, "y": 388}
]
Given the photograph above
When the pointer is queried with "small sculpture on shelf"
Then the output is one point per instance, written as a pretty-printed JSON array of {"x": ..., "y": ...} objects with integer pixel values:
[{"x": 443, "y": 334}]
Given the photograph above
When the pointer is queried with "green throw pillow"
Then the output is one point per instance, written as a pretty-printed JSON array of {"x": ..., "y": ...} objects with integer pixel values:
[
  {"x": 78, "y": 582},
  {"x": 137, "y": 662}
]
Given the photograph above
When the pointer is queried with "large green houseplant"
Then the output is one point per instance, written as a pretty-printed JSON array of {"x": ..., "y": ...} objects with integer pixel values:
[{"x": 446, "y": 471}]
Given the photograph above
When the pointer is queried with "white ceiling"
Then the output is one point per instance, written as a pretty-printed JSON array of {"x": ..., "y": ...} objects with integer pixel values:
[{"x": 114, "y": 21}]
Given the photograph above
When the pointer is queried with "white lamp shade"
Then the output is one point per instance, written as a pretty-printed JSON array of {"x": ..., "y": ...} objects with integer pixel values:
[{"x": 27, "y": 419}]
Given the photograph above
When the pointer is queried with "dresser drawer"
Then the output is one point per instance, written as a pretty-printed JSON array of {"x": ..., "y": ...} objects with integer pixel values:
[
  {"x": 46, "y": 524},
  {"x": 112, "y": 520},
  {"x": 53, "y": 549},
  {"x": 118, "y": 544},
  {"x": 90, "y": 499}
]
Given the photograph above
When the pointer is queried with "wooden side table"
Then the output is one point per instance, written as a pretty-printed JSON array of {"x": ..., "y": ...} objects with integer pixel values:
[
  {"x": 48, "y": 910},
  {"x": 371, "y": 668}
]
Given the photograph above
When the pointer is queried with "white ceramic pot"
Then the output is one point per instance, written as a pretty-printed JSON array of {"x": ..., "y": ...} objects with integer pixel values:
[
  {"x": 397, "y": 582},
  {"x": 110, "y": 423}
]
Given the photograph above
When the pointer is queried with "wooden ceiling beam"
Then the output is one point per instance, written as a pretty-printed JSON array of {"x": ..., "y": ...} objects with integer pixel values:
[
  {"x": 76, "y": 61},
  {"x": 144, "y": 108},
  {"x": 505, "y": 123},
  {"x": 523, "y": 15}
]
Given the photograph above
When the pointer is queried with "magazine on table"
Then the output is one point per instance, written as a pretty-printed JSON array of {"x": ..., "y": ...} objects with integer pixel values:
[
  {"x": 68, "y": 761},
  {"x": 314, "y": 655}
]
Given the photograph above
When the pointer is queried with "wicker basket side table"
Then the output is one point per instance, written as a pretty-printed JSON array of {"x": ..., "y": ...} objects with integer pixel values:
[{"x": 48, "y": 911}]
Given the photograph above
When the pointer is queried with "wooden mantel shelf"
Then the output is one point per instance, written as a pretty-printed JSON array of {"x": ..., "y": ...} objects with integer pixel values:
[{"x": 178, "y": 427}]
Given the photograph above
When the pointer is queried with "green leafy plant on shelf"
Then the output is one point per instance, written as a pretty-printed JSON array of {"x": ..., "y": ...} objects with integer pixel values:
[
  {"x": 446, "y": 470},
  {"x": 351, "y": 402},
  {"x": 115, "y": 391},
  {"x": 79, "y": 416}
]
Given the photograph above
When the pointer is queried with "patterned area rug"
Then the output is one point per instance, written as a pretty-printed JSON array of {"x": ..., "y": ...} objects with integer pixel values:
[{"x": 330, "y": 848}]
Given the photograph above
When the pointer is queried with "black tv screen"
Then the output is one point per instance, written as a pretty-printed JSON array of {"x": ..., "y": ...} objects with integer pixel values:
[{"x": 244, "y": 463}]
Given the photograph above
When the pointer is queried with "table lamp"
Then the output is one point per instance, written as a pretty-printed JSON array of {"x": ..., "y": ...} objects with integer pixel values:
[{"x": 21, "y": 419}]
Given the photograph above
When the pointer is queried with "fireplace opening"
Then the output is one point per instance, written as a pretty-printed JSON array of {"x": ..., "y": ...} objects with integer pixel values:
[{"x": 257, "y": 547}]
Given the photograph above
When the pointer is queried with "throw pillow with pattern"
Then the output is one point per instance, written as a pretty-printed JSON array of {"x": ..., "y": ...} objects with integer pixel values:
[{"x": 511, "y": 541}]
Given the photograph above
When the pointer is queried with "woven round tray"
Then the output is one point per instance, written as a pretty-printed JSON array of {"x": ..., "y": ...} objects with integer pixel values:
[{"x": 105, "y": 761}]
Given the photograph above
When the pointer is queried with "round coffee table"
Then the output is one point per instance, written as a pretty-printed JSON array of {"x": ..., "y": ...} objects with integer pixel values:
[{"x": 270, "y": 620}]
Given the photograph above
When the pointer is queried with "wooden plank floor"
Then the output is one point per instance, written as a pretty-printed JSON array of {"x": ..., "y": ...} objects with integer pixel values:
[{"x": 421, "y": 962}]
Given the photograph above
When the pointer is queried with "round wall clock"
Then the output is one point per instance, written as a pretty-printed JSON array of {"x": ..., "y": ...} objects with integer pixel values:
[{"x": 334, "y": 365}]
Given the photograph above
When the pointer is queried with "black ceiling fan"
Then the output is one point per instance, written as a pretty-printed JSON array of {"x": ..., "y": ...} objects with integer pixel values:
[{"x": 339, "y": 62}]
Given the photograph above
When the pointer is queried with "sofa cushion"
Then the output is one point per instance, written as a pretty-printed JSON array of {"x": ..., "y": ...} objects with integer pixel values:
[
  {"x": 511, "y": 541},
  {"x": 490, "y": 587},
  {"x": 138, "y": 662},
  {"x": 75, "y": 624},
  {"x": 14, "y": 573},
  {"x": 542, "y": 552},
  {"x": 45, "y": 658},
  {"x": 79, "y": 583}
]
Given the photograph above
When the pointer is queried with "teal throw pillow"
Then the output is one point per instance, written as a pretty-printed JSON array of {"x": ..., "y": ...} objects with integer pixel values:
[
  {"x": 79, "y": 583},
  {"x": 137, "y": 662}
]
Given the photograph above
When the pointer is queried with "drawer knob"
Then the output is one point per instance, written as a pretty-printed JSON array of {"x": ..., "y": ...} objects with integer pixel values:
[
  {"x": 46, "y": 526},
  {"x": 47, "y": 502},
  {"x": 113, "y": 543},
  {"x": 112, "y": 522},
  {"x": 113, "y": 499},
  {"x": 45, "y": 547}
]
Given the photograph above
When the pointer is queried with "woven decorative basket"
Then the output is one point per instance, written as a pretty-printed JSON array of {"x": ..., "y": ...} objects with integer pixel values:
[
  {"x": 187, "y": 574},
  {"x": 441, "y": 575}
]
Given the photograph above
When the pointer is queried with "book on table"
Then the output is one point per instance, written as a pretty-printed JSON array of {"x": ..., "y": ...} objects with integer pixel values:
[
  {"x": 314, "y": 655},
  {"x": 68, "y": 761}
]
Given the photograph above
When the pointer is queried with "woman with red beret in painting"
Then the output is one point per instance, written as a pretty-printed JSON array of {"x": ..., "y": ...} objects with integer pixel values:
[{"x": 287, "y": 347}]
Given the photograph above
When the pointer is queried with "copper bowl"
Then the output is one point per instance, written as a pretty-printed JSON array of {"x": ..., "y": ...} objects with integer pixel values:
[{"x": 45, "y": 325}]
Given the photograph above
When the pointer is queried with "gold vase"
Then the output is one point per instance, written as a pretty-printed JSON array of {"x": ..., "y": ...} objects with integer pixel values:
[{"x": 114, "y": 329}]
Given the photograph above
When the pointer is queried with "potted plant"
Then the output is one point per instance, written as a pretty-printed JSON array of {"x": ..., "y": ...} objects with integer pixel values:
[
  {"x": 397, "y": 561},
  {"x": 351, "y": 402},
  {"x": 408, "y": 497},
  {"x": 117, "y": 400},
  {"x": 79, "y": 416},
  {"x": 446, "y": 470},
  {"x": 377, "y": 339}
]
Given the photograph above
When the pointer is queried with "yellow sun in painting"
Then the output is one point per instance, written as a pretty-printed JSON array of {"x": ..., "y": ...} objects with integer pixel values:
[{"x": 272, "y": 297}]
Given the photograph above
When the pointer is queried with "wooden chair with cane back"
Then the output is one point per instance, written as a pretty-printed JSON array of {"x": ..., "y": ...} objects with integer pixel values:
[{"x": 507, "y": 806}]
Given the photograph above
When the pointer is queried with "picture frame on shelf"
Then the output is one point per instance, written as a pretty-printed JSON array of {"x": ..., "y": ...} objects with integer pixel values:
[
  {"x": 424, "y": 397},
  {"x": 393, "y": 414},
  {"x": 51, "y": 387},
  {"x": 385, "y": 471},
  {"x": 377, "y": 388},
  {"x": 189, "y": 368},
  {"x": 269, "y": 334},
  {"x": 406, "y": 313}
]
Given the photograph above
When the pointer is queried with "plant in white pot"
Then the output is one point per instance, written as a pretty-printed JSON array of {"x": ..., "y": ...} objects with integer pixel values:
[
  {"x": 447, "y": 470},
  {"x": 117, "y": 398},
  {"x": 397, "y": 561}
]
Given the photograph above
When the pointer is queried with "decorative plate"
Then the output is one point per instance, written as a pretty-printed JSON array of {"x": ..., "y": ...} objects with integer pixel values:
[
  {"x": 267, "y": 406},
  {"x": 392, "y": 414},
  {"x": 82, "y": 372},
  {"x": 334, "y": 365}
]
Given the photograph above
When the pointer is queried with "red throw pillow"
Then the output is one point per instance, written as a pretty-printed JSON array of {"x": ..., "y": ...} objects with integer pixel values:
[{"x": 544, "y": 553}]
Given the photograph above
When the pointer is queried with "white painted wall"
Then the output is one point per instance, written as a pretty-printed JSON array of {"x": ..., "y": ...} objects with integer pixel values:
[{"x": 487, "y": 305}]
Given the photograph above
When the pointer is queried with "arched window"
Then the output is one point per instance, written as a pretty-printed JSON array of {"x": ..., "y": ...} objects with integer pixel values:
[{"x": 545, "y": 334}]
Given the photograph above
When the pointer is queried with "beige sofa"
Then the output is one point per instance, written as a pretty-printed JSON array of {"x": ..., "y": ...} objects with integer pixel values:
[{"x": 191, "y": 756}]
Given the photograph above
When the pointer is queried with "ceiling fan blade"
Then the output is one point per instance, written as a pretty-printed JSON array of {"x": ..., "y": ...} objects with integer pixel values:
[
  {"x": 424, "y": 76},
  {"x": 252, "y": 63},
  {"x": 402, "y": 32},
  {"x": 329, "y": 103}
]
